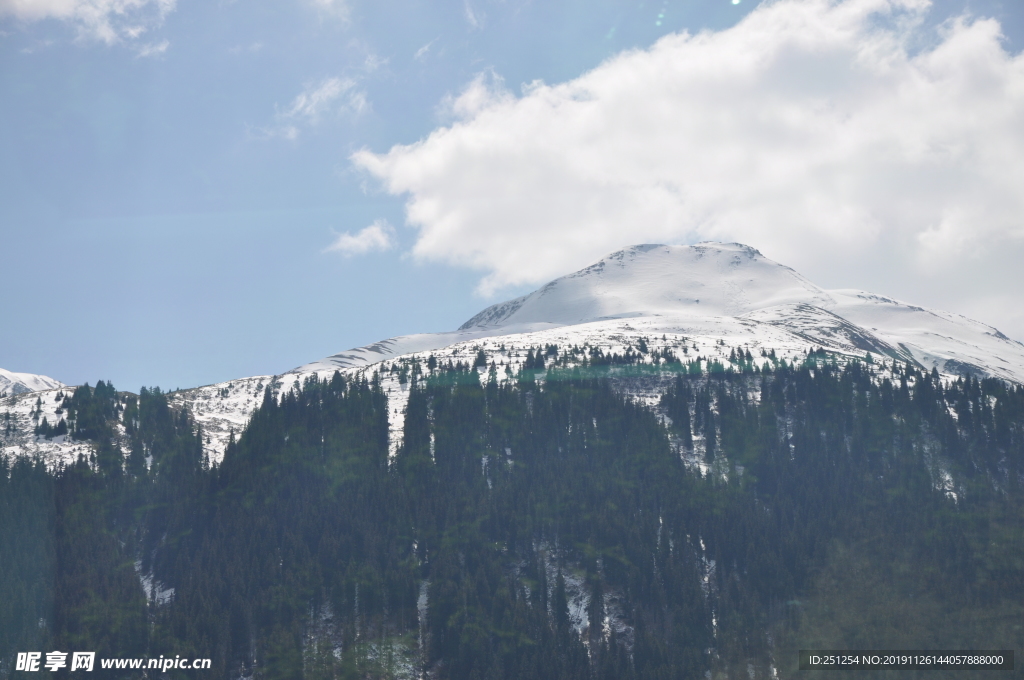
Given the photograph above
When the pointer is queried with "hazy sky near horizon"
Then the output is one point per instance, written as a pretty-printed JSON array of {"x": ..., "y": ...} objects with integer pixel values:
[{"x": 193, "y": 192}]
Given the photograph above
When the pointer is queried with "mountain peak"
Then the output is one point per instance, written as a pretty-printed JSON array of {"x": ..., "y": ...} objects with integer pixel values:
[
  {"x": 16, "y": 383},
  {"x": 707, "y": 278}
]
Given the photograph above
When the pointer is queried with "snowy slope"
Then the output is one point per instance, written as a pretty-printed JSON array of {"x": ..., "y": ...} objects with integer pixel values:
[
  {"x": 685, "y": 286},
  {"x": 19, "y": 395},
  {"x": 16, "y": 383},
  {"x": 708, "y": 279},
  {"x": 18, "y": 409},
  {"x": 410, "y": 344},
  {"x": 952, "y": 343}
]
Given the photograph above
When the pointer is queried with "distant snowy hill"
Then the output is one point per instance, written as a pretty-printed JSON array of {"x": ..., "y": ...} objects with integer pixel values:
[
  {"x": 16, "y": 383},
  {"x": 696, "y": 302}
]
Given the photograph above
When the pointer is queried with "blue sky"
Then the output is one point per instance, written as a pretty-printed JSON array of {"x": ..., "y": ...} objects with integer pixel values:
[{"x": 173, "y": 175}]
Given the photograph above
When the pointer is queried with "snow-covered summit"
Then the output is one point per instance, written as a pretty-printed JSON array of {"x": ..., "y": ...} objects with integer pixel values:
[
  {"x": 707, "y": 279},
  {"x": 731, "y": 280},
  {"x": 703, "y": 280},
  {"x": 16, "y": 383},
  {"x": 681, "y": 289}
]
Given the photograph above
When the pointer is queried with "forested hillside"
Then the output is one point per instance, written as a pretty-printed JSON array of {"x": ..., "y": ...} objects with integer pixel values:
[{"x": 540, "y": 527}]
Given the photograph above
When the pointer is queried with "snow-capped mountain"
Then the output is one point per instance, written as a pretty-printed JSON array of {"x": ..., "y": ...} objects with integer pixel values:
[
  {"x": 684, "y": 288},
  {"x": 16, "y": 383},
  {"x": 708, "y": 279},
  {"x": 702, "y": 301}
]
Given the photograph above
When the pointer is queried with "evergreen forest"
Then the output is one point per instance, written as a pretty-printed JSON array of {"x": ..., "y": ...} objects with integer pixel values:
[{"x": 543, "y": 527}]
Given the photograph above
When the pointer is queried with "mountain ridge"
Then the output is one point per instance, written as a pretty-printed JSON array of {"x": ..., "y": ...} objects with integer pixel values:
[
  {"x": 786, "y": 318},
  {"x": 704, "y": 301},
  {"x": 728, "y": 280}
]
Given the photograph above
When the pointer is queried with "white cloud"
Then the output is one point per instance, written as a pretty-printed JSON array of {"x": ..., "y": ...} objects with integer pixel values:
[
  {"x": 110, "y": 21},
  {"x": 378, "y": 236},
  {"x": 153, "y": 49},
  {"x": 472, "y": 18},
  {"x": 421, "y": 53},
  {"x": 374, "y": 62},
  {"x": 330, "y": 96},
  {"x": 812, "y": 130},
  {"x": 316, "y": 99},
  {"x": 485, "y": 91}
]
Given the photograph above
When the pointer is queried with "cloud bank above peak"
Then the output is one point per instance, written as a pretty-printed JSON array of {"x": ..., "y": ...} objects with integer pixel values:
[{"x": 835, "y": 135}]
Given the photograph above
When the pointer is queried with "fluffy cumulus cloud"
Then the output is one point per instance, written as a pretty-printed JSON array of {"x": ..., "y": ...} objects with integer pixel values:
[
  {"x": 110, "y": 21},
  {"x": 378, "y": 236},
  {"x": 843, "y": 137}
]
